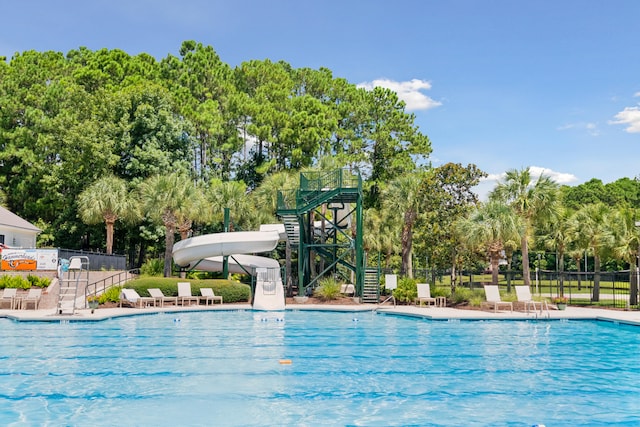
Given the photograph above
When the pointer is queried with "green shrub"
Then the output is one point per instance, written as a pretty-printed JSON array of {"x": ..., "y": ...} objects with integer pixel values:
[
  {"x": 474, "y": 297},
  {"x": 202, "y": 275},
  {"x": 328, "y": 289},
  {"x": 18, "y": 282},
  {"x": 440, "y": 291},
  {"x": 167, "y": 285},
  {"x": 37, "y": 281},
  {"x": 153, "y": 267},
  {"x": 476, "y": 300},
  {"x": 229, "y": 291},
  {"x": 407, "y": 290},
  {"x": 111, "y": 295},
  {"x": 461, "y": 295}
]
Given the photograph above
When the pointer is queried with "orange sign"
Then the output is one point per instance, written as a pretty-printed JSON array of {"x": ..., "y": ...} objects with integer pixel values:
[{"x": 18, "y": 259}]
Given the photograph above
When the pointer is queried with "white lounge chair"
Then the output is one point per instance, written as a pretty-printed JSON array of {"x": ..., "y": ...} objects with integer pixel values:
[
  {"x": 161, "y": 298},
  {"x": 132, "y": 298},
  {"x": 524, "y": 296},
  {"x": 209, "y": 295},
  {"x": 33, "y": 297},
  {"x": 424, "y": 295},
  {"x": 492, "y": 294},
  {"x": 184, "y": 294},
  {"x": 9, "y": 297}
]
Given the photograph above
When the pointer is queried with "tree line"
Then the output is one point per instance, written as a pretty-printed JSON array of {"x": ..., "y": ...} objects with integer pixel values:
[
  {"x": 526, "y": 212},
  {"x": 103, "y": 150},
  {"x": 68, "y": 120}
]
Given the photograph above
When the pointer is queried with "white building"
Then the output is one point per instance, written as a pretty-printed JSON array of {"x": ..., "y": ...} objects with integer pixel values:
[{"x": 15, "y": 231}]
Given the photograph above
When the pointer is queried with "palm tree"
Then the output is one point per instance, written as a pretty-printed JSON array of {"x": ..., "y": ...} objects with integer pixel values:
[
  {"x": 531, "y": 201},
  {"x": 108, "y": 200},
  {"x": 196, "y": 209},
  {"x": 556, "y": 234},
  {"x": 490, "y": 226},
  {"x": 592, "y": 223},
  {"x": 402, "y": 196},
  {"x": 626, "y": 243},
  {"x": 379, "y": 235},
  {"x": 230, "y": 195},
  {"x": 169, "y": 199},
  {"x": 266, "y": 195}
]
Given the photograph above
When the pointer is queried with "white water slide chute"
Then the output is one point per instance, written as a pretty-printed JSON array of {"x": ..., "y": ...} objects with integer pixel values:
[{"x": 207, "y": 253}]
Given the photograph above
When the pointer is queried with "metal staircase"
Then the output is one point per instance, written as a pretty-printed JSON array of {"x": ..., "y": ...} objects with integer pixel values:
[
  {"x": 292, "y": 228},
  {"x": 74, "y": 279},
  {"x": 371, "y": 288}
]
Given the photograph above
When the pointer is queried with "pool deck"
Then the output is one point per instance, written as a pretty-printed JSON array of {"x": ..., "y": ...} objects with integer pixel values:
[{"x": 434, "y": 313}]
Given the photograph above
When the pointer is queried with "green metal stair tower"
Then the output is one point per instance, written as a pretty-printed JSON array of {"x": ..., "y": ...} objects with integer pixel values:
[{"x": 334, "y": 199}]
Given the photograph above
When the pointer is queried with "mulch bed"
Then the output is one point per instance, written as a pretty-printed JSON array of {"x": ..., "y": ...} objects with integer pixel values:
[{"x": 312, "y": 300}]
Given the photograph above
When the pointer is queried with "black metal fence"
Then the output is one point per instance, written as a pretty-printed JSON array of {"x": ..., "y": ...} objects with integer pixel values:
[
  {"x": 613, "y": 287},
  {"x": 97, "y": 261}
]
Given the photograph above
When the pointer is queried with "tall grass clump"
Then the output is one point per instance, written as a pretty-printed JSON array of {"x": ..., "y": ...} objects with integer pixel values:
[
  {"x": 328, "y": 289},
  {"x": 153, "y": 267}
]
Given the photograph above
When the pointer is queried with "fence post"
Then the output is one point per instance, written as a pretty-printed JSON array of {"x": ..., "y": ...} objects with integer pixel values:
[{"x": 633, "y": 288}]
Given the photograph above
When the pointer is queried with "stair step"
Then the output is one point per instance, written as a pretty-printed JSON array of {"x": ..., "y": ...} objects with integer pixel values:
[{"x": 292, "y": 228}]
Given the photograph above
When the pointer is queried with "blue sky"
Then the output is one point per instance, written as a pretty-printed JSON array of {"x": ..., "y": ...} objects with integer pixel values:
[{"x": 504, "y": 84}]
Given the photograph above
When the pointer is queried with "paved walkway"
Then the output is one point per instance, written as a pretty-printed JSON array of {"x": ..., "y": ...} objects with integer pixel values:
[{"x": 434, "y": 313}]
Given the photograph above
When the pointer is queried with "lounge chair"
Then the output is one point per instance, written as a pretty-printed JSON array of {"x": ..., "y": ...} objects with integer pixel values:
[
  {"x": 9, "y": 297},
  {"x": 33, "y": 297},
  {"x": 424, "y": 295},
  {"x": 161, "y": 298},
  {"x": 184, "y": 294},
  {"x": 209, "y": 295},
  {"x": 348, "y": 289},
  {"x": 524, "y": 296},
  {"x": 132, "y": 298},
  {"x": 492, "y": 294}
]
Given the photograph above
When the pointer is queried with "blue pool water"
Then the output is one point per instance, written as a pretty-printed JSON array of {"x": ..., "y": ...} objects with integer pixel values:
[{"x": 225, "y": 368}]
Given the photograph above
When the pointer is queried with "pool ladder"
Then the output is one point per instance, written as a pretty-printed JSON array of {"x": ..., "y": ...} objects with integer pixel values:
[{"x": 544, "y": 309}]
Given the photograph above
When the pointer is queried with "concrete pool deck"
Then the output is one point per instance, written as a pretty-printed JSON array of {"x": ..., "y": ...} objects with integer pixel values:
[{"x": 631, "y": 317}]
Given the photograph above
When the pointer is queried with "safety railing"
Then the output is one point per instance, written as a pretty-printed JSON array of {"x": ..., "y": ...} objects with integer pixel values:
[{"x": 101, "y": 286}]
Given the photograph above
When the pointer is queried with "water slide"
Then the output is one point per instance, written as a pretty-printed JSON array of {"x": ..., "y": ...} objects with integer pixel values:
[{"x": 206, "y": 253}]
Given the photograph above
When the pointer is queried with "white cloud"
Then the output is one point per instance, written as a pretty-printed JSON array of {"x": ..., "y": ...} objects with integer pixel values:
[
  {"x": 590, "y": 128},
  {"x": 636, "y": 94},
  {"x": 561, "y": 178},
  {"x": 410, "y": 92},
  {"x": 488, "y": 183},
  {"x": 536, "y": 172},
  {"x": 629, "y": 116}
]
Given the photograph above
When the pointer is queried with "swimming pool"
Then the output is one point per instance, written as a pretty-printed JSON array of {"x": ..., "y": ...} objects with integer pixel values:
[{"x": 232, "y": 368}]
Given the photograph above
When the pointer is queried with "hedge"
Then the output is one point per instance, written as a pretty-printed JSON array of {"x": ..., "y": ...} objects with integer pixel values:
[
  {"x": 231, "y": 291},
  {"x": 19, "y": 282}
]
